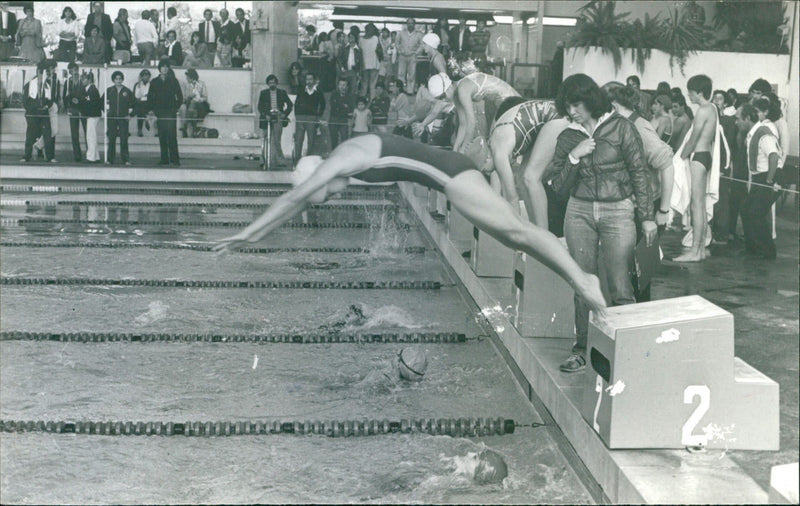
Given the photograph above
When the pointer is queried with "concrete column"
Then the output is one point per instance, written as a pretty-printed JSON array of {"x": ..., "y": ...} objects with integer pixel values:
[{"x": 274, "y": 42}]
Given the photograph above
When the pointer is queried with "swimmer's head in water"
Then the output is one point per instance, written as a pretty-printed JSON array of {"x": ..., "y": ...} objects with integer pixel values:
[
  {"x": 306, "y": 168},
  {"x": 490, "y": 468},
  {"x": 438, "y": 85},
  {"x": 412, "y": 364}
]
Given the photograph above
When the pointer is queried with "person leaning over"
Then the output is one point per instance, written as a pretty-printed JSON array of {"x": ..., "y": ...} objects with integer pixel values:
[
  {"x": 164, "y": 99},
  {"x": 120, "y": 103},
  {"x": 274, "y": 108}
]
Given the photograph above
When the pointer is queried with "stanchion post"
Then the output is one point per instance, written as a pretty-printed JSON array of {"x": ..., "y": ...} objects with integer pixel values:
[{"x": 105, "y": 113}]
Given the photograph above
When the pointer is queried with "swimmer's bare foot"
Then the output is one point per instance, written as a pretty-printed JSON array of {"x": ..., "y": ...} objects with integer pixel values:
[
  {"x": 590, "y": 291},
  {"x": 690, "y": 256}
]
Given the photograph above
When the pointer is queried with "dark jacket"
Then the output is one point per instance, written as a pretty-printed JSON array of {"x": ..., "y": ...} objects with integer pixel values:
[
  {"x": 341, "y": 107},
  {"x": 72, "y": 97},
  {"x": 106, "y": 27},
  {"x": 35, "y": 106},
  {"x": 245, "y": 31},
  {"x": 309, "y": 105},
  {"x": 92, "y": 105},
  {"x": 119, "y": 104},
  {"x": 202, "y": 30},
  {"x": 453, "y": 39},
  {"x": 284, "y": 106},
  {"x": 11, "y": 30},
  {"x": 615, "y": 170},
  {"x": 164, "y": 97},
  {"x": 176, "y": 59},
  {"x": 359, "y": 57},
  {"x": 231, "y": 30},
  {"x": 380, "y": 109}
]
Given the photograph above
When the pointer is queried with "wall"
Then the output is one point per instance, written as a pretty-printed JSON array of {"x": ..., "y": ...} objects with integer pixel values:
[{"x": 726, "y": 70}]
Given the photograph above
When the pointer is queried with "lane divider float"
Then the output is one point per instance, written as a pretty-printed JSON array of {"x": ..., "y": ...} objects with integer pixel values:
[
  {"x": 314, "y": 338},
  {"x": 192, "y": 247},
  {"x": 19, "y": 222},
  {"x": 204, "y": 283}
]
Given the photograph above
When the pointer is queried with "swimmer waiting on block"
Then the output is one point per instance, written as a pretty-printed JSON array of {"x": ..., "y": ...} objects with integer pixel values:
[{"x": 383, "y": 158}]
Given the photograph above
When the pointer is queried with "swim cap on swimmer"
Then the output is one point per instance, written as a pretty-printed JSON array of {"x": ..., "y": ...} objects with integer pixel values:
[
  {"x": 491, "y": 468},
  {"x": 438, "y": 84},
  {"x": 432, "y": 40},
  {"x": 305, "y": 168},
  {"x": 412, "y": 364}
]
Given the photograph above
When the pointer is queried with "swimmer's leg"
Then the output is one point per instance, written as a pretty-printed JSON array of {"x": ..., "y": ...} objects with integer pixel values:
[
  {"x": 473, "y": 197},
  {"x": 699, "y": 176}
]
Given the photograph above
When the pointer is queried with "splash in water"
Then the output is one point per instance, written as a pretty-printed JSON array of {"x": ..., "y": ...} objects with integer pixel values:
[
  {"x": 387, "y": 239},
  {"x": 156, "y": 311},
  {"x": 390, "y": 316}
]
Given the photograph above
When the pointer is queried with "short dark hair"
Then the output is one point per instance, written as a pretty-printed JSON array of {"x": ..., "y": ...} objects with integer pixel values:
[
  {"x": 311, "y": 29},
  {"x": 761, "y": 85},
  {"x": 172, "y": 11},
  {"x": 309, "y": 73},
  {"x": 208, "y": 11},
  {"x": 164, "y": 63},
  {"x": 173, "y": 33},
  {"x": 507, "y": 104},
  {"x": 271, "y": 77},
  {"x": 701, "y": 84},
  {"x": 192, "y": 73},
  {"x": 72, "y": 65},
  {"x": 718, "y": 92},
  {"x": 117, "y": 73},
  {"x": 64, "y": 12},
  {"x": 582, "y": 88},
  {"x": 775, "y": 112},
  {"x": 360, "y": 100},
  {"x": 625, "y": 96},
  {"x": 238, "y": 10},
  {"x": 749, "y": 112},
  {"x": 678, "y": 99},
  {"x": 144, "y": 72},
  {"x": 341, "y": 78},
  {"x": 379, "y": 84},
  {"x": 635, "y": 79},
  {"x": 145, "y": 14},
  {"x": 662, "y": 88}
]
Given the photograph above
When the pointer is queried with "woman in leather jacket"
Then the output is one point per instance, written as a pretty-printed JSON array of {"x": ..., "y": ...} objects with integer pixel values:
[{"x": 604, "y": 152}]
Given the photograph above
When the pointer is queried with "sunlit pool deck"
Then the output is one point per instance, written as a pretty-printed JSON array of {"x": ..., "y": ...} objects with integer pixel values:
[{"x": 762, "y": 296}]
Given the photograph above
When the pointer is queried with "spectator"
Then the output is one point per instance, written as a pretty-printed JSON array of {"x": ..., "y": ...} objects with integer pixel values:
[
  {"x": 196, "y": 54},
  {"x": 342, "y": 105},
  {"x": 338, "y": 27},
  {"x": 557, "y": 68},
  {"x": 308, "y": 41},
  {"x": 8, "y": 31},
  {"x": 680, "y": 122},
  {"x": 164, "y": 99},
  {"x": 122, "y": 37},
  {"x": 226, "y": 26},
  {"x": 173, "y": 23},
  {"x": 155, "y": 18},
  {"x": 379, "y": 106},
  {"x": 662, "y": 120},
  {"x": 328, "y": 65},
  {"x": 386, "y": 69},
  {"x": 409, "y": 44},
  {"x": 68, "y": 33},
  {"x": 224, "y": 51},
  {"x": 36, "y": 98},
  {"x": 102, "y": 21},
  {"x": 763, "y": 157},
  {"x": 92, "y": 109},
  {"x": 308, "y": 108},
  {"x": 244, "y": 26},
  {"x": 351, "y": 62},
  {"x": 274, "y": 108},
  {"x": 459, "y": 36},
  {"x": 174, "y": 50},
  {"x": 663, "y": 88},
  {"x": 645, "y": 100},
  {"x": 362, "y": 118},
  {"x": 733, "y": 100},
  {"x": 241, "y": 51},
  {"x": 29, "y": 36},
  {"x": 196, "y": 101},
  {"x": 209, "y": 33},
  {"x": 372, "y": 52},
  {"x": 146, "y": 38},
  {"x": 612, "y": 184},
  {"x": 141, "y": 106},
  {"x": 442, "y": 30},
  {"x": 120, "y": 102},
  {"x": 479, "y": 42},
  {"x": 721, "y": 218},
  {"x": 778, "y": 119},
  {"x": 296, "y": 80},
  {"x": 73, "y": 96},
  {"x": 94, "y": 47},
  {"x": 55, "y": 91},
  {"x": 758, "y": 89},
  {"x": 676, "y": 92},
  {"x": 400, "y": 111},
  {"x": 394, "y": 53}
]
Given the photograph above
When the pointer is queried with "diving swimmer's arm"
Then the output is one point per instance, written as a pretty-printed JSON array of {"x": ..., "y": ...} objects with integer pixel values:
[{"x": 502, "y": 145}]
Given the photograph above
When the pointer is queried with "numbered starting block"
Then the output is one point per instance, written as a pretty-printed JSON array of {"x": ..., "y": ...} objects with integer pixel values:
[
  {"x": 543, "y": 302},
  {"x": 420, "y": 191},
  {"x": 662, "y": 374},
  {"x": 489, "y": 258},
  {"x": 459, "y": 229},
  {"x": 437, "y": 203}
]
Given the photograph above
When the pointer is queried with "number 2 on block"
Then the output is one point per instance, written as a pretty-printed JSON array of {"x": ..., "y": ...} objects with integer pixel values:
[{"x": 687, "y": 438}]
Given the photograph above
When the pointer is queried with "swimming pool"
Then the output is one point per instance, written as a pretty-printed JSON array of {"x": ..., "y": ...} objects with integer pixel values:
[{"x": 93, "y": 242}]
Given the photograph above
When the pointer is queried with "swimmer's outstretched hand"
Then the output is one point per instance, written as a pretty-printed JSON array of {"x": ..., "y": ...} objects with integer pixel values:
[
  {"x": 229, "y": 244},
  {"x": 593, "y": 295}
]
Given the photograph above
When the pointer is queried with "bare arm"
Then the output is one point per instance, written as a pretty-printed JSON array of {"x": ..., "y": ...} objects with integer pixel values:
[
  {"x": 466, "y": 113},
  {"x": 700, "y": 120},
  {"x": 502, "y": 145},
  {"x": 541, "y": 155}
]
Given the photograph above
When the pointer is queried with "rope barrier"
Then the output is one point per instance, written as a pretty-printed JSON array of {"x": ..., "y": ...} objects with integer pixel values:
[
  {"x": 226, "y": 205},
  {"x": 20, "y": 222},
  {"x": 191, "y": 283},
  {"x": 227, "y": 192},
  {"x": 743, "y": 181},
  {"x": 196, "y": 247},
  {"x": 328, "y": 337},
  {"x": 454, "y": 427}
]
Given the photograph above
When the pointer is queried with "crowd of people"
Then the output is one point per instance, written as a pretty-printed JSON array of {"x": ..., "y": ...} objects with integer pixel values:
[{"x": 220, "y": 42}]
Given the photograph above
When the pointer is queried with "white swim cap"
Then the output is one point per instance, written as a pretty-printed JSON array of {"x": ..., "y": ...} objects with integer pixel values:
[
  {"x": 432, "y": 40},
  {"x": 305, "y": 168},
  {"x": 412, "y": 364},
  {"x": 438, "y": 84}
]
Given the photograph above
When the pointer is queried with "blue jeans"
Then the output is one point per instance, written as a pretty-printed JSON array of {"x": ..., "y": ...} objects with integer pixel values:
[{"x": 601, "y": 232}]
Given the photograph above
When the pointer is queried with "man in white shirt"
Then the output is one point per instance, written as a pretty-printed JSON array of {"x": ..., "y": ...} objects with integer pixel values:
[
  {"x": 146, "y": 37},
  {"x": 209, "y": 33},
  {"x": 8, "y": 29}
]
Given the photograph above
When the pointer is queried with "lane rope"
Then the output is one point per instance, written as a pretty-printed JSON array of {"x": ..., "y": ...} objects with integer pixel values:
[
  {"x": 216, "y": 205},
  {"x": 382, "y": 192},
  {"x": 326, "y": 337},
  {"x": 193, "y": 247},
  {"x": 454, "y": 427},
  {"x": 204, "y": 283},
  {"x": 20, "y": 222}
]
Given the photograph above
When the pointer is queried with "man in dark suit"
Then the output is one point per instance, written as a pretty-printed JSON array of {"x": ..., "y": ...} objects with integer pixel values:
[
  {"x": 103, "y": 22},
  {"x": 8, "y": 29},
  {"x": 459, "y": 36},
  {"x": 227, "y": 27},
  {"x": 209, "y": 33},
  {"x": 73, "y": 96},
  {"x": 37, "y": 99},
  {"x": 274, "y": 108},
  {"x": 244, "y": 25}
]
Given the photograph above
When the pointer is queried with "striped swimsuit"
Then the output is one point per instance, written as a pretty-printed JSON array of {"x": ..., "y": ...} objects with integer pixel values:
[{"x": 527, "y": 118}]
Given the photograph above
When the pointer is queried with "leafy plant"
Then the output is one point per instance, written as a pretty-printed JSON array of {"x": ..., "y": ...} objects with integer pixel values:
[
  {"x": 644, "y": 36},
  {"x": 680, "y": 38},
  {"x": 599, "y": 25},
  {"x": 753, "y": 26}
]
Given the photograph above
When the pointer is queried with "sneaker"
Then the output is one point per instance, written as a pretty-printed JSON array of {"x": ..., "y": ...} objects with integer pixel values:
[{"x": 576, "y": 362}]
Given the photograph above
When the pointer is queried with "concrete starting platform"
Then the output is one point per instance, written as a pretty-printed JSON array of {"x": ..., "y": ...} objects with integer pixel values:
[{"x": 625, "y": 476}]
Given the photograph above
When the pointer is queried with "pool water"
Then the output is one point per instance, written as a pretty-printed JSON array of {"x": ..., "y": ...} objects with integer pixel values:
[{"x": 233, "y": 381}]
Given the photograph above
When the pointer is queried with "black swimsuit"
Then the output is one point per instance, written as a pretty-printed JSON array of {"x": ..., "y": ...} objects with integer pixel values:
[{"x": 406, "y": 160}]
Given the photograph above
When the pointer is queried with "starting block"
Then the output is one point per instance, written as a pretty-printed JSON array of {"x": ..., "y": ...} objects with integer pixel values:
[
  {"x": 489, "y": 258},
  {"x": 543, "y": 302},
  {"x": 459, "y": 229},
  {"x": 662, "y": 374},
  {"x": 437, "y": 203},
  {"x": 783, "y": 484},
  {"x": 419, "y": 190}
]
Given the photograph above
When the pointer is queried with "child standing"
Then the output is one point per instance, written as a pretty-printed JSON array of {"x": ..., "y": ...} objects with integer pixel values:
[{"x": 362, "y": 117}]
